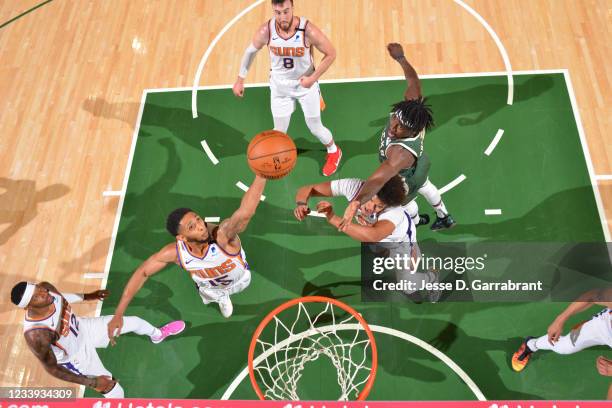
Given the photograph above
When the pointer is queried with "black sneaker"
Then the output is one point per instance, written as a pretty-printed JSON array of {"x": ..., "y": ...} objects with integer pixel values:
[
  {"x": 443, "y": 223},
  {"x": 423, "y": 220}
]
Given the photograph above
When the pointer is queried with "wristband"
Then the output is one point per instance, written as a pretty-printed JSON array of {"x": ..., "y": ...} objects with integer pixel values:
[{"x": 301, "y": 203}]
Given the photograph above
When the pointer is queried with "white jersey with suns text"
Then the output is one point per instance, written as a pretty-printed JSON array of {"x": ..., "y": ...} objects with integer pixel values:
[
  {"x": 289, "y": 57},
  {"x": 216, "y": 269},
  {"x": 63, "y": 322}
]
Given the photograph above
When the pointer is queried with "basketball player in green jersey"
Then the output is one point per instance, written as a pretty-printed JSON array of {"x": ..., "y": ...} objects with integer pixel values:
[{"x": 401, "y": 152}]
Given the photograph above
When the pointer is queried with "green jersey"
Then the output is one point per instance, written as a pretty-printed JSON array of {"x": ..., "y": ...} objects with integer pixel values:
[{"x": 416, "y": 175}]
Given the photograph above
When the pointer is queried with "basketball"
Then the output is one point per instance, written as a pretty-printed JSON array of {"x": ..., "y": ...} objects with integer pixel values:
[{"x": 272, "y": 154}]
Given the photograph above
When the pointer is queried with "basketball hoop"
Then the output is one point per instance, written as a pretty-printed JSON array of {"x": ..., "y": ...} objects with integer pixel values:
[{"x": 303, "y": 330}]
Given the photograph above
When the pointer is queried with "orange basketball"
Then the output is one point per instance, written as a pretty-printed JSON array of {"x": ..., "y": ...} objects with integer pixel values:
[{"x": 272, "y": 154}]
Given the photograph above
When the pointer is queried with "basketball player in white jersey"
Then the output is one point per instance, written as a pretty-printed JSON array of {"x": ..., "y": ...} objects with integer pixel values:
[
  {"x": 380, "y": 219},
  {"x": 594, "y": 332},
  {"x": 66, "y": 343},
  {"x": 292, "y": 73},
  {"x": 211, "y": 254}
]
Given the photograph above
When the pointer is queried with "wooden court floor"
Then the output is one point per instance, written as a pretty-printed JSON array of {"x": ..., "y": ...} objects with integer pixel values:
[{"x": 72, "y": 76}]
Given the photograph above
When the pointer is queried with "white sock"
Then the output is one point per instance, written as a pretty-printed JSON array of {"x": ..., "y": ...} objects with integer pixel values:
[
  {"x": 532, "y": 345},
  {"x": 434, "y": 198},
  {"x": 332, "y": 149},
  {"x": 321, "y": 132}
]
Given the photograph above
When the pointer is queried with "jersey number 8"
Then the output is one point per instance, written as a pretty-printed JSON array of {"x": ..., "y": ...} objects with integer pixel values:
[{"x": 288, "y": 63}]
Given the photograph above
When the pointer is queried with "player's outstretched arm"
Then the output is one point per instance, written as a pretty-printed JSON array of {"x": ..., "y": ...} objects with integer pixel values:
[
  {"x": 39, "y": 341},
  {"x": 397, "y": 159},
  {"x": 305, "y": 192},
  {"x": 77, "y": 297},
  {"x": 600, "y": 297},
  {"x": 231, "y": 227},
  {"x": 316, "y": 37},
  {"x": 413, "y": 90},
  {"x": 374, "y": 233},
  {"x": 259, "y": 40},
  {"x": 151, "y": 266}
]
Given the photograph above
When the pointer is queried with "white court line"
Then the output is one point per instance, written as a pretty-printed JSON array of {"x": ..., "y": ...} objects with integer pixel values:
[
  {"x": 212, "y": 219},
  {"x": 499, "y": 44},
  {"x": 378, "y": 329},
  {"x": 94, "y": 275},
  {"x": 603, "y": 177},
  {"x": 492, "y": 211},
  {"x": 494, "y": 142},
  {"x": 111, "y": 245},
  {"x": 112, "y": 193},
  {"x": 587, "y": 156},
  {"x": 369, "y": 79},
  {"x": 452, "y": 184},
  {"x": 209, "y": 152},
  {"x": 245, "y": 188},
  {"x": 196, "y": 81}
]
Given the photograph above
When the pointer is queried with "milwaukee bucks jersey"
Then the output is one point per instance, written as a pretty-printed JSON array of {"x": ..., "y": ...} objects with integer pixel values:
[{"x": 416, "y": 175}]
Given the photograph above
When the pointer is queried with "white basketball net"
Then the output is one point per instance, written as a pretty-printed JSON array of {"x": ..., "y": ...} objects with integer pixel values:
[{"x": 280, "y": 363}]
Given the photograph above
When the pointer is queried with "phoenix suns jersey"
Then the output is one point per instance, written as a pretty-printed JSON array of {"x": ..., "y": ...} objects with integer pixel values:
[
  {"x": 63, "y": 322},
  {"x": 289, "y": 57},
  {"x": 216, "y": 268}
]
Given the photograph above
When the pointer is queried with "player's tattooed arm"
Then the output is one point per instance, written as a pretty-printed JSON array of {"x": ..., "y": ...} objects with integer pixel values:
[
  {"x": 413, "y": 90},
  {"x": 151, "y": 266},
  {"x": 231, "y": 227},
  {"x": 316, "y": 37},
  {"x": 39, "y": 341}
]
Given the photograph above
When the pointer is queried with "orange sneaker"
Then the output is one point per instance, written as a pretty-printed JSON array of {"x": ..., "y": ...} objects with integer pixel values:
[
  {"x": 521, "y": 357},
  {"x": 332, "y": 162}
]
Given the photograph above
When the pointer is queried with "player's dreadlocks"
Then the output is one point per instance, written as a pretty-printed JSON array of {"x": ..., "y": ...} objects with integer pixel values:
[
  {"x": 393, "y": 192},
  {"x": 174, "y": 219},
  {"x": 414, "y": 114}
]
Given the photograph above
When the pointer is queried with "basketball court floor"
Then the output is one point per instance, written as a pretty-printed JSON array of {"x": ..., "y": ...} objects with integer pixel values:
[{"x": 101, "y": 144}]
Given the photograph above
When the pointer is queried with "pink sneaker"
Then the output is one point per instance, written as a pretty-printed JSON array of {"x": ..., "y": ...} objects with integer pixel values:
[
  {"x": 332, "y": 162},
  {"x": 169, "y": 329}
]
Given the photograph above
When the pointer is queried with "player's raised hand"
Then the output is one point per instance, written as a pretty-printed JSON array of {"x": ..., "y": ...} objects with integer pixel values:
[
  {"x": 349, "y": 213},
  {"x": 114, "y": 328},
  {"x": 554, "y": 331},
  {"x": 97, "y": 295},
  {"x": 604, "y": 366},
  {"x": 395, "y": 50},
  {"x": 238, "y": 87},
  {"x": 301, "y": 211}
]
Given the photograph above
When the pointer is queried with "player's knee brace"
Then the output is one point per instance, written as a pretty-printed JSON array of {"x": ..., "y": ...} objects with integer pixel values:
[{"x": 321, "y": 132}]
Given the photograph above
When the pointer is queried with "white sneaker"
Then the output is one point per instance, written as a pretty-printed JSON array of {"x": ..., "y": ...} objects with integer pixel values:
[{"x": 226, "y": 307}]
